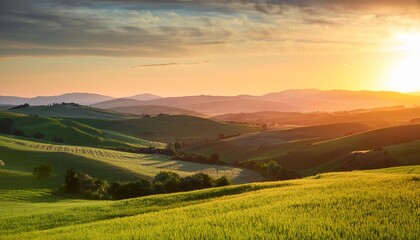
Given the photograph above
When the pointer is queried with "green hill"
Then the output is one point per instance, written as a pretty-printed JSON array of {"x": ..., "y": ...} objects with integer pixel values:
[
  {"x": 22, "y": 156},
  {"x": 272, "y": 144},
  {"x": 377, "y": 204},
  {"x": 155, "y": 110},
  {"x": 299, "y": 149},
  {"x": 73, "y": 132},
  {"x": 70, "y": 111},
  {"x": 168, "y": 128}
]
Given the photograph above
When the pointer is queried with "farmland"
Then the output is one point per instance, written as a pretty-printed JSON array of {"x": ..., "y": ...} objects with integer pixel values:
[{"x": 354, "y": 205}]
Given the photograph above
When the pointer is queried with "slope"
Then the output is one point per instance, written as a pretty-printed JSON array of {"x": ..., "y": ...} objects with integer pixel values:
[
  {"x": 21, "y": 156},
  {"x": 155, "y": 110},
  {"x": 356, "y": 205},
  {"x": 169, "y": 128},
  {"x": 272, "y": 144},
  {"x": 70, "y": 111},
  {"x": 74, "y": 132}
]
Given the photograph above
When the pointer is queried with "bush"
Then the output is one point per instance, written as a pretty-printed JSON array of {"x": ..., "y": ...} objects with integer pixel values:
[
  {"x": 39, "y": 135},
  {"x": 167, "y": 182},
  {"x": 71, "y": 182},
  {"x": 18, "y": 132},
  {"x": 42, "y": 171},
  {"x": 197, "y": 181},
  {"x": 142, "y": 187},
  {"x": 222, "y": 181},
  {"x": 214, "y": 158},
  {"x": 6, "y": 125},
  {"x": 57, "y": 139}
]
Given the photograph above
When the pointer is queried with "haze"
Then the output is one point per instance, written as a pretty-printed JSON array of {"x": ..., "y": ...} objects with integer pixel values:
[{"x": 174, "y": 48}]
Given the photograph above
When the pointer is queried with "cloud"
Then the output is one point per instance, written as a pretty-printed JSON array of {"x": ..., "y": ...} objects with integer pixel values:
[
  {"x": 182, "y": 28},
  {"x": 169, "y": 64}
]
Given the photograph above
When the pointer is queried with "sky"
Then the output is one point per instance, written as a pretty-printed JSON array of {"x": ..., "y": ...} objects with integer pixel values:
[{"x": 220, "y": 47}]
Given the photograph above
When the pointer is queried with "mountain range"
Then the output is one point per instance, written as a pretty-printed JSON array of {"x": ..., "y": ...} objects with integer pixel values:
[{"x": 301, "y": 100}]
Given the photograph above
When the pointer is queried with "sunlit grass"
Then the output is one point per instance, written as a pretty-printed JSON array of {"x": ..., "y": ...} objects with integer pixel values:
[{"x": 355, "y": 205}]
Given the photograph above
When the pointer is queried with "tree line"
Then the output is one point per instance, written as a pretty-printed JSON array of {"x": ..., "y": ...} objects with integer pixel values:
[{"x": 82, "y": 184}]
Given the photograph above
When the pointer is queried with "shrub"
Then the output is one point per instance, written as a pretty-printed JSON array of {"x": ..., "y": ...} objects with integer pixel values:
[
  {"x": 18, "y": 132},
  {"x": 167, "y": 182},
  {"x": 142, "y": 187},
  {"x": 197, "y": 181},
  {"x": 6, "y": 125},
  {"x": 42, "y": 171},
  {"x": 39, "y": 135},
  {"x": 57, "y": 139},
  {"x": 71, "y": 182},
  {"x": 222, "y": 181},
  {"x": 214, "y": 158}
]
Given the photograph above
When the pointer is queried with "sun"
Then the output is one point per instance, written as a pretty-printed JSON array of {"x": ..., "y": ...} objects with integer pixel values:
[{"x": 405, "y": 75}]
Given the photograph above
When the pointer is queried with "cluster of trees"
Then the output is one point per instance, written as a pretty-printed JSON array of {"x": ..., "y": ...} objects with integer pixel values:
[
  {"x": 20, "y": 106},
  {"x": 64, "y": 104},
  {"x": 6, "y": 127},
  {"x": 271, "y": 170},
  {"x": 164, "y": 182},
  {"x": 191, "y": 157}
]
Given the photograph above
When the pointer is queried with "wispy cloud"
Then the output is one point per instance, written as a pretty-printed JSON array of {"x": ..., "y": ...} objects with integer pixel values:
[{"x": 169, "y": 64}]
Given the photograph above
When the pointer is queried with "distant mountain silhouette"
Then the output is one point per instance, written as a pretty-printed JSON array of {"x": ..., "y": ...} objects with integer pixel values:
[{"x": 81, "y": 98}]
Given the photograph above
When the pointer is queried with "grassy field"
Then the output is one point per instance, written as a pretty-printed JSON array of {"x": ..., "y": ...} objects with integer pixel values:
[
  {"x": 69, "y": 111},
  {"x": 380, "y": 204},
  {"x": 300, "y": 149},
  {"x": 21, "y": 156},
  {"x": 74, "y": 132},
  {"x": 168, "y": 128}
]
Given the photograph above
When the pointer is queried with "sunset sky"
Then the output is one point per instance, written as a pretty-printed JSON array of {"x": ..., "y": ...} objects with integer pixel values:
[{"x": 221, "y": 47}]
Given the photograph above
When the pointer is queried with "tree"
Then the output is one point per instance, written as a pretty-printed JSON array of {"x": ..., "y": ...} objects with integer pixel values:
[
  {"x": 39, "y": 135},
  {"x": 222, "y": 181},
  {"x": 71, "y": 181},
  {"x": 6, "y": 125},
  {"x": 214, "y": 158},
  {"x": 42, "y": 171},
  {"x": 167, "y": 182},
  {"x": 197, "y": 181},
  {"x": 18, "y": 132}
]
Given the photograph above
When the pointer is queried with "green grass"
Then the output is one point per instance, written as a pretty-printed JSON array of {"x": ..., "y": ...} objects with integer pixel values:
[
  {"x": 276, "y": 143},
  {"x": 300, "y": 150},
  {"x": 68, "y": 111},
  {"x": 355, "y": 205},
  {"x": 169, "y": 128},
  {"x": 74, "y": 132},
  {"x": 22, "y": 156}
]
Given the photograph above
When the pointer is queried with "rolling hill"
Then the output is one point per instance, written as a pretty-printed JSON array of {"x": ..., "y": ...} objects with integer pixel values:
[
  {"x": 209, "y": 105},
  {"x": 365, "y": 150},
  {"x": 378, "y": 117},
  {"x": 21, "y": 156},
  {"x": 376, "y": 204},
  {"x": 272, "y": 144},
  {"x": 81, "y": 98},
  {"x": 73, "y": 132},
  {"x": 70, "y": 111},
  {"x": 155, "y": 110},
  {"x": 145, "y": 97},
  {"x": 169, "y": 128}
]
